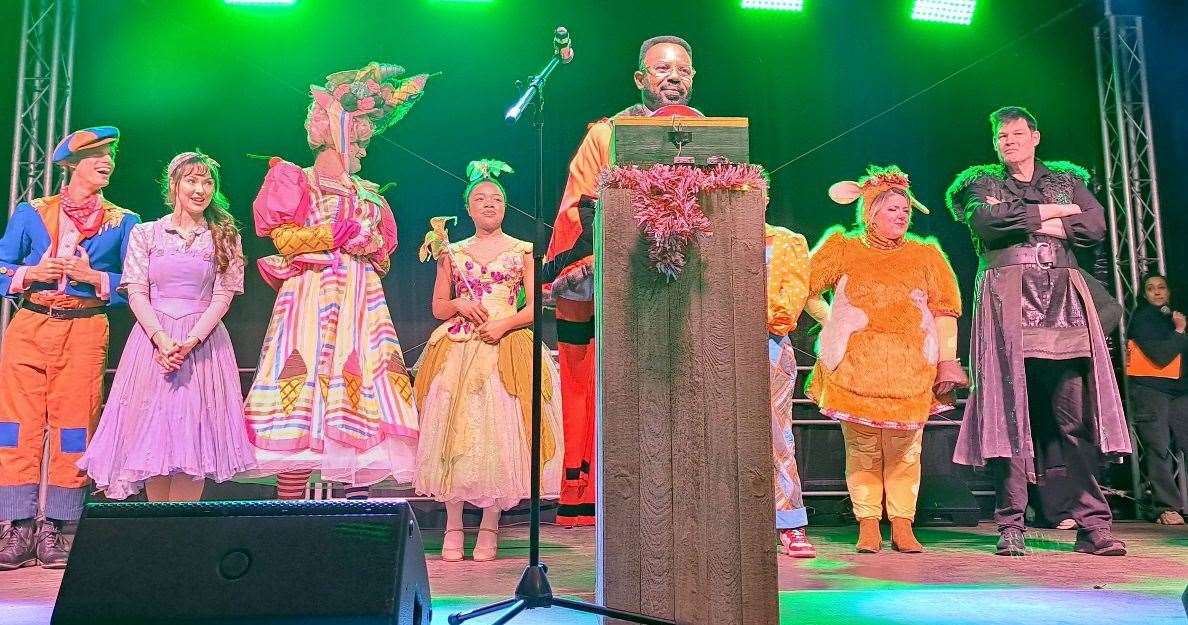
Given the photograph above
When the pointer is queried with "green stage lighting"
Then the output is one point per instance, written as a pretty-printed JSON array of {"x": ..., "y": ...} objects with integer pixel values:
[
  {"x": 774, "y": 5},
  {"x": 260, "y": 1},
  {"x": 949, "y": 11}
]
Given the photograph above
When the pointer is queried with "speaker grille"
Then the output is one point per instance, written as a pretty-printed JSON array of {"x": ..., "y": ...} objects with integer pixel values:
[{"x": 341, "y": 507}]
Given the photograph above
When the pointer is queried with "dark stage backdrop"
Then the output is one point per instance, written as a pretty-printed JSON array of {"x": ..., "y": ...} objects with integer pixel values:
[{"x": 234, "y": 80}]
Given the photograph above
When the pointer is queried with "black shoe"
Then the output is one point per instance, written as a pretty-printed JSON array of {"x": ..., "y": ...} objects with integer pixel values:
[
  {"x": 52, "y": 549},
  {"x": 1099, "y": 542},
  {"x": 1010, "y": 542},
  {"x": 16, "y": 544}
]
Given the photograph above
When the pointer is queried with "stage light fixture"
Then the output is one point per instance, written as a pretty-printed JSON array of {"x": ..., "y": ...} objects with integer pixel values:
[
  {"x": 774, "y": 5},
  {"x": 948, "y": 11}
]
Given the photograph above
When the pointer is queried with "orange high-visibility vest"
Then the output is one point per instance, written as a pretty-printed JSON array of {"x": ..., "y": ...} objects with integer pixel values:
[{"x": 1138, "y": 365}]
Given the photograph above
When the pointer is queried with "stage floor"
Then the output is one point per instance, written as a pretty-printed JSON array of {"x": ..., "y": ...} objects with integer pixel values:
[{"x": 958, "y": 581}]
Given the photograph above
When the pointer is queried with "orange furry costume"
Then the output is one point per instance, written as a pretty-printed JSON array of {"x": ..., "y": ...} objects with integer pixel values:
[
  {"x": 890, "y": 339},
  {"x": 879, "y": 350}
]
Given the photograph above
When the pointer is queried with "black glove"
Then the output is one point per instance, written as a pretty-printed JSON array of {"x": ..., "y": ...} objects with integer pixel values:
[{"x": 583, "y": 247}]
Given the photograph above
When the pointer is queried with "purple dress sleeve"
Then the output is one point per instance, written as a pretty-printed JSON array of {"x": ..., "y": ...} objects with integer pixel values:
[
  {"x": 134, "y": 281},
  {"x": 137, "y": 259},
  {"x": 227, "y": 285},
  {"x": 231, "y": 280}
]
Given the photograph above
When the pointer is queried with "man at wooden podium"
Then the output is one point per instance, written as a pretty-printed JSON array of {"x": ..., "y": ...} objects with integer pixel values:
[{"x": 664, "y": 77}]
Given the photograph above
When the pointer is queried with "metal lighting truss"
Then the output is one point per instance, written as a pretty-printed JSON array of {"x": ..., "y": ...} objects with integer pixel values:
[
  {"x": 45, "y": 73},
  {"x": 1131, "y": 181}
]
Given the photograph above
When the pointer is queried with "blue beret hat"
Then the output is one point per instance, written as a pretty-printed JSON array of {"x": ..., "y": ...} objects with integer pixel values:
[{"x": 85, "y": 139}]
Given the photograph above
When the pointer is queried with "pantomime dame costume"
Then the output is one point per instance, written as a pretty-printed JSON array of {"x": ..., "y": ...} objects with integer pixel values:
[{"x": 331, "y": 391}]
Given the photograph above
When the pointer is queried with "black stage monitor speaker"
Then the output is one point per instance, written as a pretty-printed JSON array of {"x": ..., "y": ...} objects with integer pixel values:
[
  {"x": 246, "y": 562},
  {"x": 946, "y": 500}
]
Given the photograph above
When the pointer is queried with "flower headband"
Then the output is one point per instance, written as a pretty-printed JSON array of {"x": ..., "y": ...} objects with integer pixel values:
[{"x": 877, "y": 181}]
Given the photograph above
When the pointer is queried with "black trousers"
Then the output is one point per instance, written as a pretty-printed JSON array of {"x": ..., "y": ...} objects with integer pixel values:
[
  {"x": 1055, "y": 497},
  {"x": 1057, "y": 391},
  {"x": 1161, "y": 422}
]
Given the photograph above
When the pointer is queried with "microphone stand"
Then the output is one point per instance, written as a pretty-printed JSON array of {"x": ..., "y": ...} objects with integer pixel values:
[{"x": 533, "y": 590}]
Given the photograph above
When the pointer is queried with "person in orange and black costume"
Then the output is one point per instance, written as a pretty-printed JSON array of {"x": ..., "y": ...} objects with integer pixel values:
[
  {"x": 1159, "y": 393},
  {"x": 664, "y": 78}
]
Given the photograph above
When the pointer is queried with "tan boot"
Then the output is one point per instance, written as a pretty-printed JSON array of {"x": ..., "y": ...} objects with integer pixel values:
[
  {"x": 870, "y": 536},
  {"x": 902, "y": 538}
]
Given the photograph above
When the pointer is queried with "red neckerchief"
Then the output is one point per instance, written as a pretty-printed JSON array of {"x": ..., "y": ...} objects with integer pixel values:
[{"x": 87, "y": 215}]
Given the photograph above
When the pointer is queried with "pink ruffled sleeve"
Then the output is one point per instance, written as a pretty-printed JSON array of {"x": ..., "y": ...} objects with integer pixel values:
[{"x": 283, "y": 198}]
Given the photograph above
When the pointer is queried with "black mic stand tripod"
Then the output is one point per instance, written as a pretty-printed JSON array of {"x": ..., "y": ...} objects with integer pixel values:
[{"x": 534, "y": 590}]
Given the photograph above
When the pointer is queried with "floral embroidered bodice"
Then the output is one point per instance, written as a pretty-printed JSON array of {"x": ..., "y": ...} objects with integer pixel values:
[{"x": 495, "y": 282}]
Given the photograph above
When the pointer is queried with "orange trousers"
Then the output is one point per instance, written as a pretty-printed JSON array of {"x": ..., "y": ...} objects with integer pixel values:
[
  {"x": 51, "y": 385},
  {"x": 576, "y": 359},
  {"x": 882, "y": 466}
]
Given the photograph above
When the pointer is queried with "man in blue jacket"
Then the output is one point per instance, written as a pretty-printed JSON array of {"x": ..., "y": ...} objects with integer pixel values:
[{"x": 61, "y": 259}]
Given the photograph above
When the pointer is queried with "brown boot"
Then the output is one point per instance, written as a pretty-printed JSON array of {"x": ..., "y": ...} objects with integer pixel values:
[
  {"x": 870, "y": 536},
  {"x": 51, "y": 547},
  {"x": 902, "y": 538},
  {"x": 16, "y": 544}
]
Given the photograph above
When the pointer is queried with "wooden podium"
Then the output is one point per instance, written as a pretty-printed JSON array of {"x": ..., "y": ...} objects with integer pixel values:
[{"x": 686, "y": 526}]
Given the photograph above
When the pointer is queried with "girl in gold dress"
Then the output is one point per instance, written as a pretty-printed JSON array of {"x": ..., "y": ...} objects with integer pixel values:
[{"x": 474, "y": 378}]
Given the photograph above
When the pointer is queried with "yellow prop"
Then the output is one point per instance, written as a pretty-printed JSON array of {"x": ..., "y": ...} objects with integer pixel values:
[{"x": 436, "y": 239}]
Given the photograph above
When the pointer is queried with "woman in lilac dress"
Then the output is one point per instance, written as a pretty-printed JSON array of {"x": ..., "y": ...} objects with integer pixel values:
[{"x": 175, "y": 413}]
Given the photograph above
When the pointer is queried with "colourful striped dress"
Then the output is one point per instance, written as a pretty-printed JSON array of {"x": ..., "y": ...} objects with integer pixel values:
[{"x": 331, "y": 391}]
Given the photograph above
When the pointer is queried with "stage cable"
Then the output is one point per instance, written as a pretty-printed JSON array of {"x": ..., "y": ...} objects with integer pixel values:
[
  {"x": 286, "y": 84},
  {"x": 1056, "y": 18}
]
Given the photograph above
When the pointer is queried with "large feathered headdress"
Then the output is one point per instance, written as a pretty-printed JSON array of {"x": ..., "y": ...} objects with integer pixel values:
[{"x": 376, "y": 92}]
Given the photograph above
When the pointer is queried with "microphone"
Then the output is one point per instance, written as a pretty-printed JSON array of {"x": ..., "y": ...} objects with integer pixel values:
[
  {"x": 561, "y": 44},
  {"x": 1165, "y": 309},
  {"x": 562, "y": 53}
]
